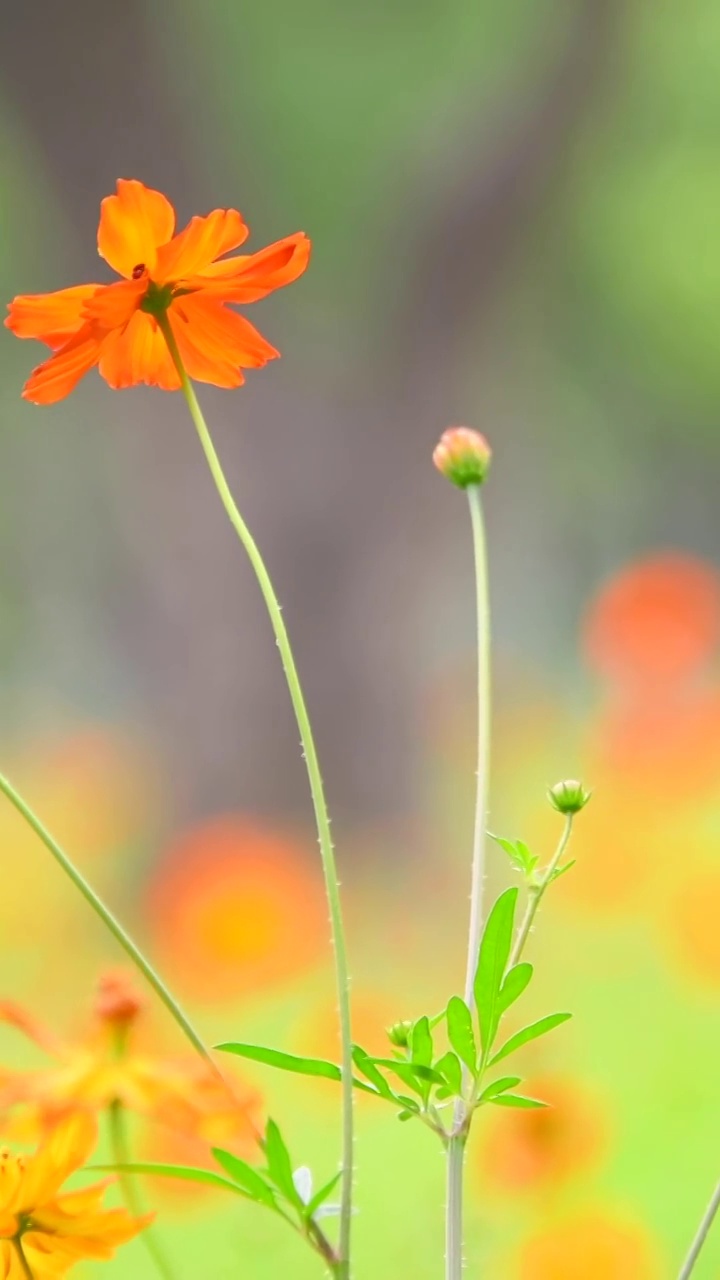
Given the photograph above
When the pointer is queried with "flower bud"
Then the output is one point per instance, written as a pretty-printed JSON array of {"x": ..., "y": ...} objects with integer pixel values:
[
  {"x": 462, "y": 456},
  {"x": 117, "y": 1001},
  {"x": 569, "y": 796},
  {"x": 399, "y": 1034}
]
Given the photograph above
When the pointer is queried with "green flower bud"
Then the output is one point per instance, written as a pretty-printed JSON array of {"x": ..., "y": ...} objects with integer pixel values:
[
  {"x": 569, "y": 796},
  {"x": 399, "y": 1034}
]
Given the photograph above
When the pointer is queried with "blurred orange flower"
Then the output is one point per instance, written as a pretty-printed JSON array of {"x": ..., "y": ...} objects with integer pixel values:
[
  {"x": 106, "y": 1067},
  {"x": 592, "y": 1246},
  {"x": 44, "y": 1233},
  {"x": 236, "y": 907},
  {"x": 538, "y": 1150},
  {"x": 185, "y": 278},
  {"x": 655, "y": 621}
]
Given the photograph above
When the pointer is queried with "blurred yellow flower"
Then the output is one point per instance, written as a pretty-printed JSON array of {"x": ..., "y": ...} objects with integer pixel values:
[
  {"x": 107, "y": 1068},
  {"x": 44, "y": 1233}
]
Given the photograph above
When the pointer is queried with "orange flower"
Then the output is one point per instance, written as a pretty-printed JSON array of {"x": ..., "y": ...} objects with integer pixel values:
[
  {"x": 184, "y": 278},
  {"x": 591, "y": 1246},
  {"x": 236, "y": 907},
  {"x": 50, "y": 1231},
  {"x": 537, "y": 1150},
  {"x": 107, "y": 1067}
]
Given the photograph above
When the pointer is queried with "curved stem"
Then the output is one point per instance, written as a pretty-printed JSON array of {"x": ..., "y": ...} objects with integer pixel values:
[
  {"x": 25, "y": 1265},
  {"x": 322, "y": 819},
  {"x": 701, "y": 1235},
  {"x": 536, "y": 894},
  {"x": 454, "y": 1208},
  {"x": 109, "y": 920},
  {"x": 121, "y": 1156},
  {"x": 483, "y": 737}
]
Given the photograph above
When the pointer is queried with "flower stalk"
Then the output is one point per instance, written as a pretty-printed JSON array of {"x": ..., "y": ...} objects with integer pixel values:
[
  {"x": 322, "y": 818},
  {"x": 117, "y": 1124},
  {"x": 120, "y": 934},
  {"x": 537, "y": 891},
  {"x": 701, "y": 1235}
]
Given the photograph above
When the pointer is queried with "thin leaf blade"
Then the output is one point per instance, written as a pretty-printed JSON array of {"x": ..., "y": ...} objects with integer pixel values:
[
  {"x": 492, "y": 962},
  {"x": 531, "y": 1032}
]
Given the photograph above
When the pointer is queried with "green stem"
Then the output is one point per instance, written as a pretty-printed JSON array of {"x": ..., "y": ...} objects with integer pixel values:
[
  {"x": 454, "y": 1208},
  {"x": 316, "y": 787},
  {"x": 462, "y": 1114},
  {"x": 26, "y": 1268},
  {"x": 537, "y": 893},
  {"x": 121, "y": 1156},
  {"x": 701, "y": 1235},
  {"x": 109, "y": 920},
  {"x": 483, "y": 737}
]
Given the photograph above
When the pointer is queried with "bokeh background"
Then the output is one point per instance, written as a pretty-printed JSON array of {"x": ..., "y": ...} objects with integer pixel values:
[{"x": 515, "y": 213}]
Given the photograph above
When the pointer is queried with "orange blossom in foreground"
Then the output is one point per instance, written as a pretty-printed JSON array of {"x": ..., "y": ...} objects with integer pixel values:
[
  {"x": 184, "y": 279},
  {"x": 44, "y": 1233}
]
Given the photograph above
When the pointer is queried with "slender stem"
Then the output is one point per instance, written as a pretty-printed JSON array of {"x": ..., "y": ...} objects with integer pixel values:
[
  {"x": 108, "y": 919},
  {"x": 536, "y": 894},
  {"x": 454, "y": 1208},
  {"x": 483, "y": 737},
  {"x": 701, "y": 1235},
  {"x": 316, "y": 788},
  {"x": 26, "y": 1268},
  {"x": 462, "y": 1116},
  {"x": 121, "y": 1156}
]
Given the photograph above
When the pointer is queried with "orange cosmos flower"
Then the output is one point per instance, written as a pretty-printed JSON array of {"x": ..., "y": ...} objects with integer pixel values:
[
  {"x": 107, "y": 1067},
  {"x": 44, "y": 1233},
  {"x": 594, "y": 1245},
  {"x": 185, "y": 278}
]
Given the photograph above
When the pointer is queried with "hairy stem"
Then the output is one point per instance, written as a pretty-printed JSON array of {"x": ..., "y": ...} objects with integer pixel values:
[
  {"x": 701, "y": 1235},
  {"x": 121, "y": 1156},
  {"x": 109, "y": 920},
  {"x": 454, "y": 1208},
  {"x": 322, "y": 818},
  {"x": 537, "y": 892},
  {"x": 483, "y": 736}
]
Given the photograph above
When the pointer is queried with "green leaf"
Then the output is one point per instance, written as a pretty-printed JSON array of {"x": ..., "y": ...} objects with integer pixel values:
[
  {"x": 365, "y": 1064},
  {"x": 492, "y": 961},
  {"x": 449, "y": 1066},
  {"x": 252, "y": 1182},
  {"x": 560, "y": 871},
  {"x": 284, "y": 1061},
  {"x": 460, "y": 1032},
  {"x": 497, "y": 1087},
  {"x": 516, "y": 980},
  {"x": 412, "y": 1070},
  {"x": 518, "y": 853},
  {"x": 321, "y": 1195},
  {"x": 531, "y": 1032},
  {"x": 185, "y": 1172},
  {"x": 516, "y": 1100},
  {"x": 421, "y": 1044},
  {"x": 280, "y": 1165}
]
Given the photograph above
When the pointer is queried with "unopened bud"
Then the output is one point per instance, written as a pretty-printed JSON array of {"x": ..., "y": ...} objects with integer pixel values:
[
  {"x": 117, "y": 1001},
  {"x": 399, "y": 1034},
  {"x": 569, "y": 796},
  {"x": 462, "y": 456}
]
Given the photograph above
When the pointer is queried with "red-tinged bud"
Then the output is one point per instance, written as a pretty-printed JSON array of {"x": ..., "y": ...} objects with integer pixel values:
[
  {"x": 568, "y": 797},
  {"x": 463, "y": 456},
  {"x": 117, "y": 1001}
]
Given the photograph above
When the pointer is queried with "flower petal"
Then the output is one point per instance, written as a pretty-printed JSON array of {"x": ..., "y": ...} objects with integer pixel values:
[
  {"x": 133, "y": 224},
  {"x": 203, "y": 240},
  {"x": 138, "y": 353},
  {"x": 58, "y": 376},
  {"x": 200, "y": 364},
  {"x": 65, "y": 1149},
  {"x": 10, "y": 1264},
  {"x": 51, "y": 317},
  {"x": 221, "y": 334},
  {"x": 247, "y": 278},
  {"x": 112, "y": 305}
]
